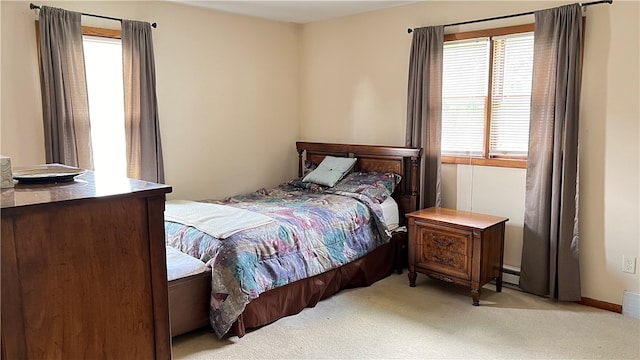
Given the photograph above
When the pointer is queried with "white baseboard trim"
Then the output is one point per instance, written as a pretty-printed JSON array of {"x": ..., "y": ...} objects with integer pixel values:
[{"x": 631, "y": 304}]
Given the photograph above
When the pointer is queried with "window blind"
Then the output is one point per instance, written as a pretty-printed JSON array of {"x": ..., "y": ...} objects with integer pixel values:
[
  {"x": 511, "y": 95},
  {"x": 464, "y": 90}
]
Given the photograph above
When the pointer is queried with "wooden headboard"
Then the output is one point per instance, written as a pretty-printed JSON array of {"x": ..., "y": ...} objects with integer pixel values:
[{"x": 403, "y": 161}]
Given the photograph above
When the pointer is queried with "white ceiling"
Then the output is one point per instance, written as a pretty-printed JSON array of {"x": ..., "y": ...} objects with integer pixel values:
[{"x": 296, "y": 11}]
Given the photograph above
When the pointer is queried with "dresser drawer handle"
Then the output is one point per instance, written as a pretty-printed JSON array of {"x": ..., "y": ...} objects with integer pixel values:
[
  {"x": 448, "y": 243},
  {"x": 443, "y": 261}
]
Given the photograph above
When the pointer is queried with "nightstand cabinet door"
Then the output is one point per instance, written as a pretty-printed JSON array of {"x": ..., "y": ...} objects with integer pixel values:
[{"x": 444, "y": 250}]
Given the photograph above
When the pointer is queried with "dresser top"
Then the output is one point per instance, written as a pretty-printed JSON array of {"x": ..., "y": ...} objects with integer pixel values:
[
  {"x": 456, "y": 217},
  {"x": 85, "y": 186}
]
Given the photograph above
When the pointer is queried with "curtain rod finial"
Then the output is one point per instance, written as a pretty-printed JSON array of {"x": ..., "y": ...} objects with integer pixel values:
[
  {"x": 154, "y": 25},
  {"x": 31, "y": 6},
  {"x": 409, "y": 30}
]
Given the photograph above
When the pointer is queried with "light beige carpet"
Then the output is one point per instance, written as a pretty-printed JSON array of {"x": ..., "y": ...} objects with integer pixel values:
[{"x": 434, "y": 320}]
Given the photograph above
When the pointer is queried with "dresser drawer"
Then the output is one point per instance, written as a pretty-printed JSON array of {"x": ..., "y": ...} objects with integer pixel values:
[{"x": 445, "y": 250}]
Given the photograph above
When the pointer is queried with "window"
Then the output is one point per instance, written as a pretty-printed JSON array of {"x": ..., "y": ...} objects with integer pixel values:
[
  {"x": 486, "y": 94},
  {"x": 103, "y": 67},
  {"x": 105, "y": 91}
]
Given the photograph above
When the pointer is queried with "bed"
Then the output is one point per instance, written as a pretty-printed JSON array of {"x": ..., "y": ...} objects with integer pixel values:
[{"x": 194, "y": 305}]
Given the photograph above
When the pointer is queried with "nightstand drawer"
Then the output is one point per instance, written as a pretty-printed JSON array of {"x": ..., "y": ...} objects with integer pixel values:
[
  {"x": 444, "y": 239},
  {"x": 447, "y": 262},
  {"x": 444, "y": 249}
]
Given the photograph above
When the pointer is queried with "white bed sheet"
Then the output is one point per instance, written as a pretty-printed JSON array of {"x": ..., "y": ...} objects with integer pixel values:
[
  {"x": 390, "y": 213},
  {"x": 181, "y": 265}
]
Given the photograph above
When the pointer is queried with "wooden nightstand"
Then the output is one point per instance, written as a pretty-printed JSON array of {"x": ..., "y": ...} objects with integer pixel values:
[{"x": 461, "y": 247}]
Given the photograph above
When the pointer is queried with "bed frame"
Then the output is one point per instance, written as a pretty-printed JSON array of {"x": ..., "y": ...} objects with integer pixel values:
[{"x": 189, "y": 297}]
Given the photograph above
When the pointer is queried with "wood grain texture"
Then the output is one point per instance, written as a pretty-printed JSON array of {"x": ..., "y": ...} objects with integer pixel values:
[
  {"x": 457, "y": 218},
  {"x": 12, "y": 309},
  {"x": 617, "y": 308},
  {"x": 490, "y": 32},
  {"x": 83, "y": 270},
  {"x": 158, "y": 267},
  {"x": 445, "y": 250},
  {"x": 456, "y": 246},
  {"x": 189, "y": 302}
]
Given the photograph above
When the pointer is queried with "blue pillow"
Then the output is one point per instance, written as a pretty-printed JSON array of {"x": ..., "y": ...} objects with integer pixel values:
[{"x": 330, "y": 170}]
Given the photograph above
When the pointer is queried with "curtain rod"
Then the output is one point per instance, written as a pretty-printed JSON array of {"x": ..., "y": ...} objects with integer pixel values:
[
  {"x": 32, "y": 7},
  {"x": 514, "y": 15}
]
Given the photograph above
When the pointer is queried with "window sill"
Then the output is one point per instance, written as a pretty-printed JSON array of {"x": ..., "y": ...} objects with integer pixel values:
[{"x": 509, "y": 163}]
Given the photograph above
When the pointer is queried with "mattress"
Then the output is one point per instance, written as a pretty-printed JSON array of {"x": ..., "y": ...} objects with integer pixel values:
[
  {"x": 390, "y": 213},
  {"x": 181, "y": 265}
]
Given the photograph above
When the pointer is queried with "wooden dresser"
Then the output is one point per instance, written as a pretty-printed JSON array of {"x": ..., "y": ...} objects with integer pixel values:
[
  {"x": 84, "y": 270},
  {"x": 456, "y": 246}
]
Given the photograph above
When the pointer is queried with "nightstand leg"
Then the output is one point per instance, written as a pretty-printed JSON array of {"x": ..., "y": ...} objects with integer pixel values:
[
  {"x": 499, "y": 283},
  {"x": 412, "y": 279},
  {"x": 475, "y": 295}
]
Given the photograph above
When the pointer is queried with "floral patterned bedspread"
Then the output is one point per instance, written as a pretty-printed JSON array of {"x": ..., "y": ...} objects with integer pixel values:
[{"x": 314, "y": 231}]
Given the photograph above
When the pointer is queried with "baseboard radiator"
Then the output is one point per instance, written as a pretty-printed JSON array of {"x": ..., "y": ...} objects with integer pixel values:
[
  {"x": 631, "y": 304},
  {"x": 511, "y": 275}
]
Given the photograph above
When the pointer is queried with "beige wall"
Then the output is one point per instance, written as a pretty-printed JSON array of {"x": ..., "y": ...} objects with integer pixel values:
[
  {"x": 227, "y": 90},
  {"x": 236, "y": 92},
  {"x": 610, "y": 149},
  {"x": 490, "y": 190},
  {"x": 354, "y": 81}
]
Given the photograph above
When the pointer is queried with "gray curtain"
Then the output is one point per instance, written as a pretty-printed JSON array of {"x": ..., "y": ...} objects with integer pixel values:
[
  {"x": 142, "y": 127},
  {"x": 550, "y": 265},
  {"x": 424, "y": 108},
  {"x": 65, "y": 106}
]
